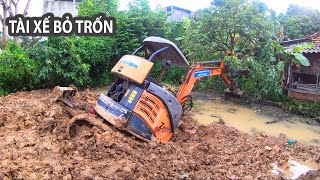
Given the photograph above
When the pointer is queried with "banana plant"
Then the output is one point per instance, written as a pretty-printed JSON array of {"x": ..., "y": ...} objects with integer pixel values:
[{"x": 293, "y": 54}]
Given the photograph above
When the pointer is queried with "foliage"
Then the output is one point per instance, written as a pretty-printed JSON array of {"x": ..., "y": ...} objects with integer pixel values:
[
  {"x": 29, "y": 42},
  {"x": 173, "y": 76},
  {"x": 92, "y": 7},
  {"x": 59, "y": 63},
  {"x": 241, "y": 32},
  {"x": 16, "y": 70},
  {"x": 212, "y": 83},
  {"x": 293, "y": 54},
  {"x": 300, "y": 22},
  {"x": 137, "y": 24},
  {"x": 307, "y": 109},
  {"x": 133, "y": 26},
  {"x": 98, "y": 53},
  {"x": 175, "y": 31}
]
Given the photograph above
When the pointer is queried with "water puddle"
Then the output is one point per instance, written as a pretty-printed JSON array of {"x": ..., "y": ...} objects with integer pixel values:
[
  {"x": 249, "y": 120},
  {"x": 295, "y": 168}
]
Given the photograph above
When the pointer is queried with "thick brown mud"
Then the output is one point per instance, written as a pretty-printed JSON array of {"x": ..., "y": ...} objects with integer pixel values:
[{"x": 35, "y": 144}]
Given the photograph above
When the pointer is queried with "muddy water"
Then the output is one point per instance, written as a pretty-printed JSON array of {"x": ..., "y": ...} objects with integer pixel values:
[{"x": 249, "y": 120}]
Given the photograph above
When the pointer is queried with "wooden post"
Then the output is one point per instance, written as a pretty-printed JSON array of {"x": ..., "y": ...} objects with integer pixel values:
[
  {"x": 317, "y": 85},
  {"x": 291, "y": 75}
]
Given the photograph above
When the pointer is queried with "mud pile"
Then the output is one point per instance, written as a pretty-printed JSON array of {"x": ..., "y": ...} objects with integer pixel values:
[{"x": 35, "y": 144}]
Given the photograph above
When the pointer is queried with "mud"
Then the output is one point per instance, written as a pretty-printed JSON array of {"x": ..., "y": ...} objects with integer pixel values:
[
  {"x": 250, "y": 119},
  {"x": 36, "y": 144}
]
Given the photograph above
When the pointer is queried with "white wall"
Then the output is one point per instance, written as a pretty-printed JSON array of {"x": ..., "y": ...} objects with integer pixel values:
[
  {"x": 58, "y": 8},
  {"x": 39, "y": 7}
]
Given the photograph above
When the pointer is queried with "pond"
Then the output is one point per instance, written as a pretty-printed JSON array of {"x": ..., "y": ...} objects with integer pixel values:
[{"x": 250, "y": 119}]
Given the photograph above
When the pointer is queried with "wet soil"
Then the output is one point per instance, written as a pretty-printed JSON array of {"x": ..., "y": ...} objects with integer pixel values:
[
  {"x": 36, "y": 144},
  {"x": 249, "y": 119}
]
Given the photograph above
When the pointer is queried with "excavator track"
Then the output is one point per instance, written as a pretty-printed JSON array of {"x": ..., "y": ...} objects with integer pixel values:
[{"x": 89, "y": 119}]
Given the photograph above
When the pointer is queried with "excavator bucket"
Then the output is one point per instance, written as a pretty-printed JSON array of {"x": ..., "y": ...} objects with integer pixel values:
[
  {"x": 65, "y": 94},
  {"x": 233, "y": 94}
]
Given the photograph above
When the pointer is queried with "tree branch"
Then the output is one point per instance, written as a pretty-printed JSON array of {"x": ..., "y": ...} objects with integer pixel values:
[
  {"x": 1, "y": 19},
  {"x": 7, "y": 7},
  {"x": 25, "y": 12},
  {"x": 14, "y": 3}
]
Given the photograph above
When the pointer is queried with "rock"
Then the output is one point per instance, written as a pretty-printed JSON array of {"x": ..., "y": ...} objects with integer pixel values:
[
  {"x": 74, "y": 161},
  {"x": 183, "y": 175},
  {"x": 67, "y": 177},
  {"x": 268, "y": 148},
  {"x": 46, "y": 177},
  {"x": 248, "y": 177},
  {"x": 231, "y": 176},
  {"x": 33, "y": 176}
]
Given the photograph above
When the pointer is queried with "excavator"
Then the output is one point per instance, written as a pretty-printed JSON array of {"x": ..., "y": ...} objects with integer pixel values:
[{"x": 138, "y": 104}]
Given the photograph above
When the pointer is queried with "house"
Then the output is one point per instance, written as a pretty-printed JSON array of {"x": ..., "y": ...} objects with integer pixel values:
[
  {"x": 60, "y": 7},
  {"x": 303, "y": 83},
  {"x": 177, "y": 13}
]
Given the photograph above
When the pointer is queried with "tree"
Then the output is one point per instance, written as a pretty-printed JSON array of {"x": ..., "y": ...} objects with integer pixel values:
[
  {"x": 241, "y": 32},
  {"x": 299, "y": 22},
  {"x": 138, "y": 23},
  {"x": 7, "y": 8},
  {"x": 92, "y": 7}
]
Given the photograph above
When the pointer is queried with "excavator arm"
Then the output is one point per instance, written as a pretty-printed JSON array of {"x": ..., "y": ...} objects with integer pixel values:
[{"x": 199, "y": 70}]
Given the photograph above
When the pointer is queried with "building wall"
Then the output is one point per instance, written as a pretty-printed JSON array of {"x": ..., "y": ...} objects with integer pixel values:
[
  {"x": 58, "y": 8},
  {"x": 39, "y": 7},
  {"x": 314, "y": 67},
  {"x": 177, "y": 14}
]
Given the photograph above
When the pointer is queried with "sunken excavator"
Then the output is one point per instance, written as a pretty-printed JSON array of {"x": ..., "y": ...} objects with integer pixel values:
[{"x": 138, "y": 103}]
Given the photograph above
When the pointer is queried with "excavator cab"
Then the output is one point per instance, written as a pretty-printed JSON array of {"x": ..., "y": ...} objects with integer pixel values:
[{"x": 137, "y": 103}]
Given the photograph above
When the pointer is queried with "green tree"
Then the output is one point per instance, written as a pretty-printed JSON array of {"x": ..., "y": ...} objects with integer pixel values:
[
  {"x": 17, "y": 70},
  {"x": 241, "y": 32},
  {"x": 299, "y": 22},
  {"x": 136, "y": 24},
  {"x": 98, "y": 52},
  {"x": 59, "y": 63},
  {"x": 92, "y": 7}
]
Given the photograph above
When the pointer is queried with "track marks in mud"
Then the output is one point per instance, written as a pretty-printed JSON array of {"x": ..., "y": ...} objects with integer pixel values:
[{"x": 36, "y": 145}]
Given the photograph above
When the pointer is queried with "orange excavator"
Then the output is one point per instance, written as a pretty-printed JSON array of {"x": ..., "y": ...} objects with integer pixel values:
[{"x": 138, "y": 104}]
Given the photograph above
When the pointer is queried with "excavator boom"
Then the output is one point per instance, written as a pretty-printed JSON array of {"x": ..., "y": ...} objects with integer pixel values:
[{"x": 200, "y": 70}]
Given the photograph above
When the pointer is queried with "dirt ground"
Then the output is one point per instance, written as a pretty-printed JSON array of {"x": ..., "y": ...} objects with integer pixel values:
[{"x": 35, "y": 144}]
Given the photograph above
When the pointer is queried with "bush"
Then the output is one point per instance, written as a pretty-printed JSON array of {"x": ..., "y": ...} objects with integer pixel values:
[
  {"x": 174, "y": 75},
  {"x": 99, "y": 53},
  {"x": 307, "y": 109},
  {"x": 16, "y": 70},
  {"x": 60, "y": 64}
]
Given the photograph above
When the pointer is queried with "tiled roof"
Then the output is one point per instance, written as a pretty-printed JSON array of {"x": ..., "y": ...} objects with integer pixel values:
[
  {"x": 314, "y": 49},
  {"x": 315, "y": 38}
]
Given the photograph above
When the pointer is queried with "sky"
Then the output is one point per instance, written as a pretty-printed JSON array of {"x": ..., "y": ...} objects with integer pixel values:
[
  {"x": 36, "y": 6},
  {"x": 277, "y": 5}
]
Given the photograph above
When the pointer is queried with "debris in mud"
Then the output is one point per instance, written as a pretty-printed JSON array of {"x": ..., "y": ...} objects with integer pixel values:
[
  {"x": 293, "y": 169},
  {"x": 36, "y": 145},
  {"x": 311, "y": 175}
]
